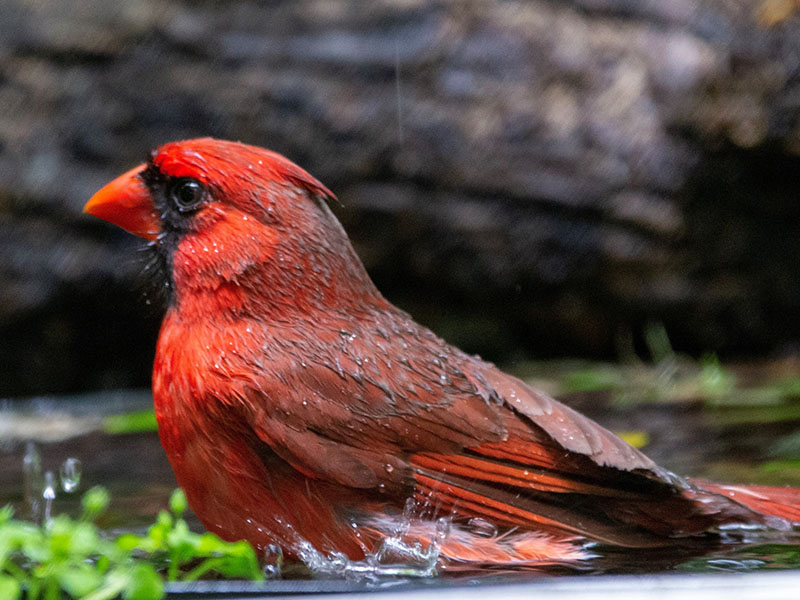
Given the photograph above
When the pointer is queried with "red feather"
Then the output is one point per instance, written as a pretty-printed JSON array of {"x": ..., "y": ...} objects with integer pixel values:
[{"x": 297, "y": 405}]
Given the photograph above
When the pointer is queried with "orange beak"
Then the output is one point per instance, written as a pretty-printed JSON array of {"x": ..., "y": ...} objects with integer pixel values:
[{"x": 126, "y": 202}]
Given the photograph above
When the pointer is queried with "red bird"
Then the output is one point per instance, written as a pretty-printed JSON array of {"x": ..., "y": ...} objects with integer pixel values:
[{"x": 298, "y": 407}]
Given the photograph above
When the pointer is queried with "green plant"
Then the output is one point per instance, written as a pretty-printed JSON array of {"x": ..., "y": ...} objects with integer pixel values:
[{"x": 72, "y": 557}]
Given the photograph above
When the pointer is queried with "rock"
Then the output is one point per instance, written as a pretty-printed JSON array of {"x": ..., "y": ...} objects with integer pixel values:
[{"x": 526, "y": 177}]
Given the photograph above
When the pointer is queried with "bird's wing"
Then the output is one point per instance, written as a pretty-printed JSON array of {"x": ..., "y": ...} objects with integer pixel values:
[{"x": 394, "y": 407}]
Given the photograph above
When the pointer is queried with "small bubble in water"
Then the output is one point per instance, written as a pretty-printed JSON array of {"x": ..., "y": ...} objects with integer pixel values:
[
  {"x": 273, "y": 561},
  {"x": 70, "y": 475}
]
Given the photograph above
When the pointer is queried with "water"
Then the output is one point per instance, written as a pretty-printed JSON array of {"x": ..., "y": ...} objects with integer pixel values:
[
  {"x": 482, "y": 527},
  {"x": 272, "y": 558},
  {"x": 39, "y": 490},
  {"x": 48, "y": 494},
  {"x": 691, "y": 438},
  {"x": 70, "y": 475},
  {"x": 65, "y": 436},
  {"x": 411, "y": 548},
  {"x": 32, "y": 481}
]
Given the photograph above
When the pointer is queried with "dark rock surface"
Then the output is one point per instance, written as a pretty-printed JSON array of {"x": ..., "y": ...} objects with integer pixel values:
[{"x": 531, "y": 177}]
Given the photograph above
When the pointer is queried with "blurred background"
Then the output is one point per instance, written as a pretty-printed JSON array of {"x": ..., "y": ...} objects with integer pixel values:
[{"x": 530, "y": 178}]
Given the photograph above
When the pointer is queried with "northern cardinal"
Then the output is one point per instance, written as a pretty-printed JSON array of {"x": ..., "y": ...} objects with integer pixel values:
[{"x": 298, "y": 406}]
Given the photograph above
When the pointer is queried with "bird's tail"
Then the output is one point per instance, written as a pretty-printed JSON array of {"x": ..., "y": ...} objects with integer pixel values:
[{"x": 780, "y": 502}]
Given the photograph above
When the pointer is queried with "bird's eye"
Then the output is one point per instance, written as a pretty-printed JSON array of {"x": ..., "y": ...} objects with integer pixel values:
[{"x": 187, "y": 194}]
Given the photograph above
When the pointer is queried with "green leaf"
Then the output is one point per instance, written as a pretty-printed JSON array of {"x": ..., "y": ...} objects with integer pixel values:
[
  {"x": 10, "y": 588},
  {"x": 79, "y": 580},
  {"x": 36, "y": 548},
  {"x": 714, "y": 380},
  {"x": 590, "y": 380},
  {"x": 144, "y": 584},
  {"x": 85, "y": 539},
  {"x": 131, "y": 541},
  {"x": 164, "y": 520},
  {"x": 94, "y": 502},
  {"x": 637, "y": 439},
  {"x": 6, "y": 513},
  {"x": 657, "y": 341},
  {"x": 135, "y": 422},
  {"x": 59, "y": 533},
  {"x": 68, "y": 557},
  {"x": 177, "y": 502}
]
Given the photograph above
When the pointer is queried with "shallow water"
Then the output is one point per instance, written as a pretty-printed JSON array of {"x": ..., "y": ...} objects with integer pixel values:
[{"x": 732, "y": 441}]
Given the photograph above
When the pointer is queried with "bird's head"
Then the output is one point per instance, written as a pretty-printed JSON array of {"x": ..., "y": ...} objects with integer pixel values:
[{"x": 227, "y": 216}]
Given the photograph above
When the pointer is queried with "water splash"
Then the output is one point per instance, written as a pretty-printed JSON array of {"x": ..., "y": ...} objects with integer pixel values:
[
  {"x": 408, "y": 553},
  {"x": 416, "y": 561},
  {"x": 70, "y": 475},
  {"x": 273, "y": 561},
  {"x": 49, "y": 494},
  {"x": 32, "y": 480},
  {"x": 411, "y": 549},
  {"x": 734, "y": 566},
  {"x": 40, "y": 488}
]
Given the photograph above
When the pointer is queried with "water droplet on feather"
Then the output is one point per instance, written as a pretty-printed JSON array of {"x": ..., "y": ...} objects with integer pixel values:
[{"x": 482, "y": 527}]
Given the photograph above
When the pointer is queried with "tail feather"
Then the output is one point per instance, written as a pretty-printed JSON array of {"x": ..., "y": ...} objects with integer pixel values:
[
  {"x": 461, "y": 547},
  {"x": 783, "y": 503}
]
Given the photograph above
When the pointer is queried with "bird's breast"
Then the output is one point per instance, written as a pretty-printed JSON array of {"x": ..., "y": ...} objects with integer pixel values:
[{"x": 198, "y": 381}]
